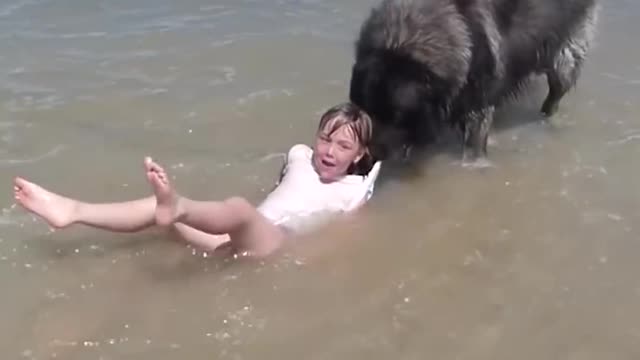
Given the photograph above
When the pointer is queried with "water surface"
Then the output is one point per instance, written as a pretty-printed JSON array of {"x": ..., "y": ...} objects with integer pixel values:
[{"x": 534, "y": 258}]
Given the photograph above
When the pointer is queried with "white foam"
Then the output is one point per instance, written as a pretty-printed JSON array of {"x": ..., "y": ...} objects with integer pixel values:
[
  {"x": 221, "y": 43},
  {"x": 624, "y": 140},
  {"x": 480, "y": 163},
  {"x": 51, "y": 153},
  {"x": 621, "y": 78},
  {"x": 266, "y": 94},
  {"x": 228, "y": 76},
  {"x": 271, "y": 156},
  {"x": 10, "y": 9}
]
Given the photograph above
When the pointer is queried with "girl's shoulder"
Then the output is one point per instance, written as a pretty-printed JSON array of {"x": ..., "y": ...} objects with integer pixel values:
[{"x": 299, "y": 150}]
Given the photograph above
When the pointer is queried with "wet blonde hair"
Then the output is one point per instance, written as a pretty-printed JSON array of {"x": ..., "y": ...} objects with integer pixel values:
[{"x": 359, "y": 123}]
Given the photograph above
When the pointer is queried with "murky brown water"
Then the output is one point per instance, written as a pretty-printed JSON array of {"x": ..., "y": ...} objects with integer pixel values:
[{"x": 535, "y": 258}]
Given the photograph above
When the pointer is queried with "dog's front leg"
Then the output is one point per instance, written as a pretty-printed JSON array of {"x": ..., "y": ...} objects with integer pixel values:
[{"x": 476, "y": 125}]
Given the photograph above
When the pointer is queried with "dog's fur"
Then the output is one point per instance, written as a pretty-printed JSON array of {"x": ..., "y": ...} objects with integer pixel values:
[{"x": 424, "y": 64}]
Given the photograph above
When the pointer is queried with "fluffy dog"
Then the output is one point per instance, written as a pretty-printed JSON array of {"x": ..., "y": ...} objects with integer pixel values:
[{"x": 421, "y": 65}]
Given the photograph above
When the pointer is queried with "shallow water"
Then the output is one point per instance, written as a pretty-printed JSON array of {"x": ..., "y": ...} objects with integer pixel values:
[{"x": 532, "y": 258}]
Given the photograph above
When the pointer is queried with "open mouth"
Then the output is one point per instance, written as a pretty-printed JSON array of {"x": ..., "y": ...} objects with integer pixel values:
[{"x": 327, "y": 163}]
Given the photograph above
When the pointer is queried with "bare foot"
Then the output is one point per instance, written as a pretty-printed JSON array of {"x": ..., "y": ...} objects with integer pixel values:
[
  {"x": 56, "y": 210},
  {"x": 167, "y": 201}
]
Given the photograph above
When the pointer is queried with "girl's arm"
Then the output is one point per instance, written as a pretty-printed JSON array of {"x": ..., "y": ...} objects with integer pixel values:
[{"x": 283, "y": 170}]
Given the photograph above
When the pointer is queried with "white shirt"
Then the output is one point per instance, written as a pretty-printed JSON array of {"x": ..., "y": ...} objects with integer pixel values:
[{"x": 301, "y": 195}]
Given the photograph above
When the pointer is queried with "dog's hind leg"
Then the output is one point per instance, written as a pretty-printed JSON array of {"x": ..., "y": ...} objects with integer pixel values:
[
  {"x": 561, "y": 78},
  {"x": 564, "y": 68},
  {"x": 477, "y": 125}
]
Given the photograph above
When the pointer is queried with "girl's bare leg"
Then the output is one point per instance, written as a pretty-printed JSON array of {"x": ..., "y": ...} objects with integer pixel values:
[
  {"x": 59, "y": 211},
  {"x": 234, "y": 218},
  {"x": 200, "y": 239},
  {"x": 248, "y": 230},
  {"x": 130, "y": 216}
]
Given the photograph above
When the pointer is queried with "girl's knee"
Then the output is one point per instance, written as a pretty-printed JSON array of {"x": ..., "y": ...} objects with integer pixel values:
[{"x": 240, "y": 204}]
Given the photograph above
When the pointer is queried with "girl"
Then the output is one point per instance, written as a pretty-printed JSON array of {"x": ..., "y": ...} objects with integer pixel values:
[{"x": 337, "y": 175}]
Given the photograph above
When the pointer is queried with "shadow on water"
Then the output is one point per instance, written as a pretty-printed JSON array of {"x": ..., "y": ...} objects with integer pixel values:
[
  {"x": 159, "y": 256},
  {"x": 521, "y": 111}
]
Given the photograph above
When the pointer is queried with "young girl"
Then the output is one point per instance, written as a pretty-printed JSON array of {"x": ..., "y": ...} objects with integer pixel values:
[{"x": 337, "y": 175}]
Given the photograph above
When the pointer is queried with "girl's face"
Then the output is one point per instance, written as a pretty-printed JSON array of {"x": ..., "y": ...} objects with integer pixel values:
[{"x": 335, "y": 152}]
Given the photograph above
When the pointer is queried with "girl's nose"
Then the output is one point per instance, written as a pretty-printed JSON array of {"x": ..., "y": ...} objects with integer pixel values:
[{"x": 331, "y": 150}]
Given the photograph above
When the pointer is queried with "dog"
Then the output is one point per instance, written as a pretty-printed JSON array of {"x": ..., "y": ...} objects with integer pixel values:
[{"x": 422, "y": 65}]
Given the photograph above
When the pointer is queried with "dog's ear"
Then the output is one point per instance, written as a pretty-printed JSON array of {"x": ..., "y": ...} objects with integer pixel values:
[
  {"x": 365, "y": 74},
  {"x": 356, "y": 86}
]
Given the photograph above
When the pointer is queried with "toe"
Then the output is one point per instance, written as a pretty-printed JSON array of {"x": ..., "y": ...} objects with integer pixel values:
[{"x": 19, "y": 182}]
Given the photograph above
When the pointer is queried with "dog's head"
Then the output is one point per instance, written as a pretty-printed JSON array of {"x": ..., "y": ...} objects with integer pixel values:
[{"x": 406, "y": 101}]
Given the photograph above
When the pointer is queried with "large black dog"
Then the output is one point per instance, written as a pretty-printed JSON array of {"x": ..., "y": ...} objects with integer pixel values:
[{"x": 424, "y": 64}]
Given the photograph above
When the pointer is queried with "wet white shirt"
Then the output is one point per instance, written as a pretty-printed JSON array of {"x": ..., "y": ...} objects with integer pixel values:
[{"x": 301, "y": 196}]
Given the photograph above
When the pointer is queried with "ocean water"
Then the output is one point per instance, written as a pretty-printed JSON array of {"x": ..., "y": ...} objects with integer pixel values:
[{"x": 534, "y": 257}]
